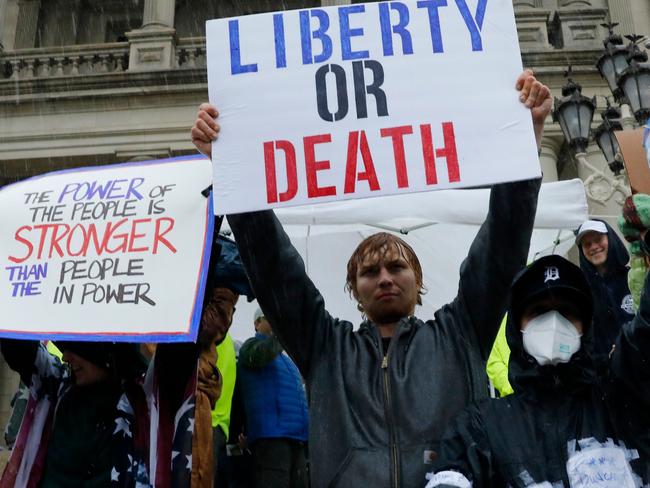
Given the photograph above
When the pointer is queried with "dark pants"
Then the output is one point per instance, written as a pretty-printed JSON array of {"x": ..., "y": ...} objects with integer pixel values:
[
  {"x": 280, "y": 463},
  {"x": 220, "y": 458}
]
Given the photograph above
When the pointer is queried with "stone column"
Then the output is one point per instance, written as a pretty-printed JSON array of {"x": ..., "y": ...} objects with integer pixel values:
[
  {"x": 621, "y": 11},
  {"x": 158, "y": 13},
  {"x": 3, "y": 9},
  {"x": 27, "y": 23},
  {"x": 154, "y": 45},
  {"x": 548, "y": 158}
]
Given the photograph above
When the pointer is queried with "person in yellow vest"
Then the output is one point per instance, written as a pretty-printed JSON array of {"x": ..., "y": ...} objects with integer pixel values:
[
  {"x": 497, "y": 363},
  {"x": 227, "y": 366}
]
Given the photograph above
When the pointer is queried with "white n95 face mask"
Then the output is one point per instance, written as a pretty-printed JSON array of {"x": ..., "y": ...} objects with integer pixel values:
[{"x": 551, "y": 338}]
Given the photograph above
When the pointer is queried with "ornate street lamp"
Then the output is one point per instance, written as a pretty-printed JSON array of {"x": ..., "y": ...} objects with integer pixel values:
[
  {"x": 604, "y": 135},
  {"x": 574, "y": 112},
  {"x": 614, "y": 61},
  {"x": 634, "y": 81}
]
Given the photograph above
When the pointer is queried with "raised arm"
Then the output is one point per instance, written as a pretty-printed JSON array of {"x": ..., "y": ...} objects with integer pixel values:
[
  {"x": 500, "y": 248},
  {"x": 290, "y": 301}
]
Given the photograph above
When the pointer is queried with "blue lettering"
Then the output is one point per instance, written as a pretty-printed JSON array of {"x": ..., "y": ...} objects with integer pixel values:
[
  {"x": 236, "y": 67},
  {"x": 434, "y": 21},
  {"x": 306, "y": 35},
  {"x": 280, "y": 49},
  {"x": 399, "y": 28},
  {"x": 474, "y": 24},
  {"x": 347, "y": 33}
]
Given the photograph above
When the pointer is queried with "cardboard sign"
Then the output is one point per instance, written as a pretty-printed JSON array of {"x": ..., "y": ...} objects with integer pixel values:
[
  {"x": 106, "y": 253},
  {"x": 363, "y": 100},
  {"x": 637, "y": 167}
]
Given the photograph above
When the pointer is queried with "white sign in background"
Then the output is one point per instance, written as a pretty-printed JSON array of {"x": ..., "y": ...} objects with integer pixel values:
[
  {"x": 441, "y": 69},
  {"x": 112, "y": 252}
]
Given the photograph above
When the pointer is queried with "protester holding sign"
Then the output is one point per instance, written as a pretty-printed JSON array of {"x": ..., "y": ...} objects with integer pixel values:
[
  {"x": 381, "y": 397},
  {"x": 96, "y": 424},
  {"x": 565, "y": 425}
]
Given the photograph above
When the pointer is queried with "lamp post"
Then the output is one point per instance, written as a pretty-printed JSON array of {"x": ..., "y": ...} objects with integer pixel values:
[
  {"x": 613, "y": 61},
  {"x": 574, "y": 112},
  {"x": 604, "y": 136}
]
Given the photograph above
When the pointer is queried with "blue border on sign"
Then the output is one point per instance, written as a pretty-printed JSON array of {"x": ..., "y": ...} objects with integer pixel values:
[{"x": 195, "y": 316}]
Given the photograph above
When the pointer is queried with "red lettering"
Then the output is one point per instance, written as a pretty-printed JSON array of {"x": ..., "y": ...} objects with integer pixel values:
[
  {"x": 134, "y": 235},
  {"x": 123, "y": 239},
  {"x": 158, "y": 234},
  {"x": 270, "y": 168},
  {"x": 351, "y": 175},
  {"x": 54, "y": 244},
  {"x": 25, "y": 242},
  {"x": 427, "y": 152},
  {"x": 84, "y": 241},
  {"x": 312, "y": 166},
  {"x": 449, "y": 152},
  {"x": 397, "y": 135}
]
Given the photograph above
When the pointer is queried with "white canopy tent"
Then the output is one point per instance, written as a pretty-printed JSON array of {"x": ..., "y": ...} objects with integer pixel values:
[{"x": 440, "y": 227}]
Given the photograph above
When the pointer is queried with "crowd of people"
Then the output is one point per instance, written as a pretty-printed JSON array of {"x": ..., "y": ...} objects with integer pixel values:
[{"x": 398, "y": 402}]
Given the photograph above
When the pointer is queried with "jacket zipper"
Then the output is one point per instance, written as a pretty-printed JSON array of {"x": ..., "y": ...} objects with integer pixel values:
[{"x": 394, "y": 454}]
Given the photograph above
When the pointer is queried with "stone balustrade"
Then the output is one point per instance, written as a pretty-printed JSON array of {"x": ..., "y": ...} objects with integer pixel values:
[
  {"x": 190, "y": 53},
  {"x": 64, "y": 61}
]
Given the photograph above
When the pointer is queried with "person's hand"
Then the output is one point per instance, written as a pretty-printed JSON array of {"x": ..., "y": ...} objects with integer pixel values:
[
  {"x": 205, "y": 129},
  {"x": 537, "y": 97}
]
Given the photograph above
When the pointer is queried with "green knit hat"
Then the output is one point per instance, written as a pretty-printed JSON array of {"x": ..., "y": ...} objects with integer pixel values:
[{"x": 634, "y": 219}]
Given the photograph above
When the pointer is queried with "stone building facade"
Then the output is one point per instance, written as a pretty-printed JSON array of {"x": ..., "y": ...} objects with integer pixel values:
[{"x": 85, "y": 82}]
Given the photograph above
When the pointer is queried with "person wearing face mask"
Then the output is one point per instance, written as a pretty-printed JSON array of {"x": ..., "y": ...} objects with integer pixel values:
[{"x": 565, "y": 425}]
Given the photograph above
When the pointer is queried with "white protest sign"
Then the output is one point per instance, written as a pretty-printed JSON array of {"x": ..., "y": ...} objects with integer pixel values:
[
  {"x": 602, "y": 467},
  {"x": 362, "y": 100},
  {"x": 113, "y": 252}
]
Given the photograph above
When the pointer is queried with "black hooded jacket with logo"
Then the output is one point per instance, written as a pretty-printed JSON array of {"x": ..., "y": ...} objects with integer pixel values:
[
  {"x": 612, "y": 299},
  {"x": 563, "y": 422}
]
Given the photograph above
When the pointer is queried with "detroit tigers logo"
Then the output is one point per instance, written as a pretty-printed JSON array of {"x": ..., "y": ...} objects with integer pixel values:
[{"x": 551, "y": 274}]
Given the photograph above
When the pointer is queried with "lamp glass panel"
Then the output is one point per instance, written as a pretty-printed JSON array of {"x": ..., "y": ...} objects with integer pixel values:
[
  {"x": 630, "y": 88},
  {"x": 620, "y": 63},
  {"x": 586, "y": 115},
  {"x": 571, "y": 121},
  {"x": 606, "y": 145},
  {"x": 644, "y": 88},
  {"x": 608, "y": 70}
]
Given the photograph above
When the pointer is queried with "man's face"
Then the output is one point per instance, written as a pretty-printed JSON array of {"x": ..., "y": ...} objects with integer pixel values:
[
  {"x": 84, "y": 372},
  {"x": 386, "y": 286},
  {"x": 218, "y": 312},
  {"x": 262, "y": 326},
  {"x": 595, "y": 246},
  {"x": 566, "y": 308}
]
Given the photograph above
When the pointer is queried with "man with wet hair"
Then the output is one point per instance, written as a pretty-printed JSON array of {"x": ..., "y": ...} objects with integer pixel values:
[
  {"x": 565, "y": 425},
  {"x": 380, "y": 397}
]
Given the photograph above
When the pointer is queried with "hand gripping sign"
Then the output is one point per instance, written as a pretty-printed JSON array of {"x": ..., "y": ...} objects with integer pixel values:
[
  {"x": 363, "y": 100},
  {"x": 106, "y": 253}
]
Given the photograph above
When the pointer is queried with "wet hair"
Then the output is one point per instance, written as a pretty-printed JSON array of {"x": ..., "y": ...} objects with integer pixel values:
[{"x": 378, "y": 245}]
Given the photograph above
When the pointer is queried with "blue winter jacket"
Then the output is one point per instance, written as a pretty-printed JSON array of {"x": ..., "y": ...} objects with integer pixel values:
[{"x": 273, "y": 393}]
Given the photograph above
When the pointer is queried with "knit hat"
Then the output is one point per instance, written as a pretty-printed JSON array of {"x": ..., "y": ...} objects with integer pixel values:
[
  {"x": 258, "y": 315},
  {"x": 634, "y": 219}
]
